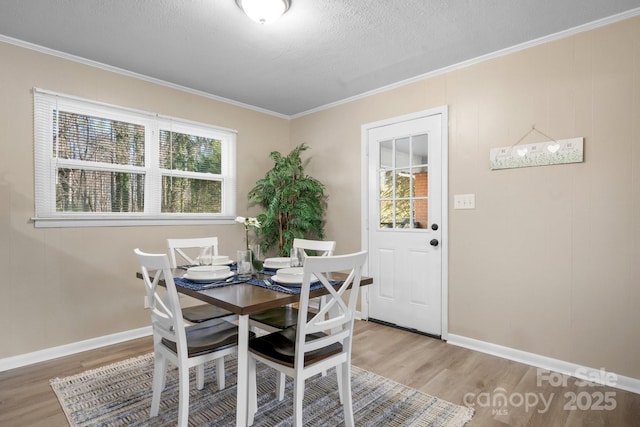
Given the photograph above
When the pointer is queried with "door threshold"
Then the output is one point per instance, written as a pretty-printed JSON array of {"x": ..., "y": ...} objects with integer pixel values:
[{"x": 415, "y": 331}]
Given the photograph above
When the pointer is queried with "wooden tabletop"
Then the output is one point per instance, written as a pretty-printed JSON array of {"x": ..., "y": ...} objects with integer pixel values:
[{"x": 244, "y": 298}]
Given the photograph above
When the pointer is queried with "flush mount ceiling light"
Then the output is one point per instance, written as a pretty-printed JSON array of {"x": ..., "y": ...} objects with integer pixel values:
[{"x": 264, "y": 11}]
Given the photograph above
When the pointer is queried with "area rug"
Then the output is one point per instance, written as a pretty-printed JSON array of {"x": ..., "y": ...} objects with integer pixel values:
[{"x": 120, "y": 395}]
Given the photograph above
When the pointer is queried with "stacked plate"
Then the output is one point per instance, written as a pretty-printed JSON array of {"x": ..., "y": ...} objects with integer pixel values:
[
  {"x": 208, "y": 273},
  {"x": 276, "y": 263},
  {"x": 291, "y": 276},
  {"x": 213, "y": 260}
]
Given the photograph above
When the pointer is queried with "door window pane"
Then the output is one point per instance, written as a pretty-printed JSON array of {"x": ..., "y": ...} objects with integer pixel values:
[
  {"x": 386, "y": 155},
  {"x": 386, "y": 185},
  {"x": 386, "y": 214},
  {"x": 403, "y": 153},
  {"x": 421, "y": 193},
  {"x": 403, "y": 183},
  {"x": 403, "y": 214},
  {"x": 420, "y": 145}
]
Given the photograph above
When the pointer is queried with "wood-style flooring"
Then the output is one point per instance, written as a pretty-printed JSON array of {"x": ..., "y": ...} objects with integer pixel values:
[{"x": 452, "y": 373}]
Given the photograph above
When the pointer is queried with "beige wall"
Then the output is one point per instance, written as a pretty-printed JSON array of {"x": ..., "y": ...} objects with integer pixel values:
[
  {"x": 67, "y": 285},
  {"x": 549, "y": 261},
  {"x": 546, "y": 263}
]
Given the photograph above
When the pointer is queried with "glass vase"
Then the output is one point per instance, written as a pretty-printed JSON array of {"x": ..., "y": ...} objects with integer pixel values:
[{"x": 243, "y": 259}]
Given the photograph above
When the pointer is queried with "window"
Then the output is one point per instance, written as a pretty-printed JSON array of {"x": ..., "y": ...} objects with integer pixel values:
[
  {"x": 98, "y": 164},
  {"x": 404, "y": 187}
]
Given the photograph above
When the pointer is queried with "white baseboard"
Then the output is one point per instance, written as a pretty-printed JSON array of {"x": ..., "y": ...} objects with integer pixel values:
[
  {"x": 73, "y": 348},
  {"x": 65, "y": 350},
  {"x": 599, "y": 376}
]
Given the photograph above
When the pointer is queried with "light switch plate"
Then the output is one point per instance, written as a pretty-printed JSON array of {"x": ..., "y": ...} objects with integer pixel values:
[{"x": 464, "y": 201}]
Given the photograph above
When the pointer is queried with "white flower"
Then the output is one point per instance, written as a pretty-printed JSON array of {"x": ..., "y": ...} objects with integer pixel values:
[{"x": 249, "y": 221}]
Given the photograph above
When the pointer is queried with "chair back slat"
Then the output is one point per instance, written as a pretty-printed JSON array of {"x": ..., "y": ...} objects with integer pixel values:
[
  {"x": 204, "y": 246},
  {"x": 334, "y": 302},
  {"x": 336, "y": 337},
  {"x": 322, "y": 247}
]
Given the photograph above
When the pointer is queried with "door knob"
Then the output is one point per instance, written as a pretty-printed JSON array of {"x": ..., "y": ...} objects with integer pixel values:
[
  {"x": 434, "y": 242},
  {"x": 434, "y": 227}
]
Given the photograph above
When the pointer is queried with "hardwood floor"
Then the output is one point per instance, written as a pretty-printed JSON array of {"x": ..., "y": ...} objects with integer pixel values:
[
  {"x": 424, "y": 363},
  {"x": 453, "y": 373}
]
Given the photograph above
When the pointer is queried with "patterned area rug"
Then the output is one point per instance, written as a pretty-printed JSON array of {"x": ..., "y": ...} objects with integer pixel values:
[{"x": 120, "y": 395}]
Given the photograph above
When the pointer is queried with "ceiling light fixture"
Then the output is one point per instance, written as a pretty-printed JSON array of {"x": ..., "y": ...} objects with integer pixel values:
[{"x": 264, "y": 11}]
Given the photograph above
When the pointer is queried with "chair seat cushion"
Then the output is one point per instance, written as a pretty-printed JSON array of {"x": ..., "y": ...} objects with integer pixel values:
[
  {"x": 204, "y": 312},
  {"x": 209, "y": 336},
  {"x": 279, "y": 317},
  {"x": 280, "y": 347}
]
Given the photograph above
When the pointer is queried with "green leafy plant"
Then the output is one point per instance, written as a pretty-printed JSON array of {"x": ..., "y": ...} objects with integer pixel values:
[{"x": 293, "y": 201}]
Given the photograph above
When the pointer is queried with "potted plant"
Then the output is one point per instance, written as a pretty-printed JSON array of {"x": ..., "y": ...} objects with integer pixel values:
[{"x": 293, "y": 201}]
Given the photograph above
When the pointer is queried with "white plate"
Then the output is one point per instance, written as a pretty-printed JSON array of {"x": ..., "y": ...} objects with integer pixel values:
[
  {"x": 213, "y": 279},
  {"x": 291, "y": 282},
  {"x": 221, "y": 260},
  {"x": 224, "y": 263},
  {"x": 275, "y": 263}
]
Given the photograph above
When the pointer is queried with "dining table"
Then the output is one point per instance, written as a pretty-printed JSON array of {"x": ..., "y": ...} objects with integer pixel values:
[{"x": 244, "y": 299}]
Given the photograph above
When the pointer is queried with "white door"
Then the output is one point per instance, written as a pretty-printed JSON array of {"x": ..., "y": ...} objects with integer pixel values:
[{"x": 405, "y": 222}]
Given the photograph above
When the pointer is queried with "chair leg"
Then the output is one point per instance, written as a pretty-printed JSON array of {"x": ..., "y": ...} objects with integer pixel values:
[
  {"x": 347, "y": 402},
  {"x": 281, "y": 381},
  {"x": 159, "y": 374},
  {"x": 200, "y": 376},
  {"x": 298, "y": 396},
  {"x": 252, "y": 392},
  {"x": 340, "y": 384},
  {"x": 220, "y": 373},
  {"x": 183, "y": 404}
]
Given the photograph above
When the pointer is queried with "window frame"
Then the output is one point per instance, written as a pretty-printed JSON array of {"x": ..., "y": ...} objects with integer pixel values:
[{"x": 46, "y": 166}]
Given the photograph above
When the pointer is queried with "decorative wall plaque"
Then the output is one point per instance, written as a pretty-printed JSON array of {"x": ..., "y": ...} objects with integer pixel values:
[{"x": 554, "y": 152}]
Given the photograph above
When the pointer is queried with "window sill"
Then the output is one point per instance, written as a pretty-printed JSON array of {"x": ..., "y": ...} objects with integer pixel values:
[{"x": 75, "y": 222}]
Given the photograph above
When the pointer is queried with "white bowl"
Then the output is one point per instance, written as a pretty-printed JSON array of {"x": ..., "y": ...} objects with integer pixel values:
[
  {"x": 219, "y": 260},
  {"x": 279, "y": 262},
  {"x": 291, "y": 274},
  {"x": 214, "y": 260},
  {"x": 206, "y": 272}
]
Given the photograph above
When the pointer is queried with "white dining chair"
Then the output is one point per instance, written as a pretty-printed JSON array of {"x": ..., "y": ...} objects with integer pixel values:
[
  {"x": 173, "y": 341},
  {"x": 181, "y": 248},
  {"x": 278, "y": 318},
  {"x": 185, "y": 251},
  {"x": 315, "y": 345}
]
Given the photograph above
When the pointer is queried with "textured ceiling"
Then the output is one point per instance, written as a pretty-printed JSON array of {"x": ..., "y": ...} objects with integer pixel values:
[{"x": 319, "y": 52}]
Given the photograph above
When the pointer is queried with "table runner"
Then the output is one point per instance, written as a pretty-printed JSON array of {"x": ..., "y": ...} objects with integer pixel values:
[{"x": 293, "y": 290}]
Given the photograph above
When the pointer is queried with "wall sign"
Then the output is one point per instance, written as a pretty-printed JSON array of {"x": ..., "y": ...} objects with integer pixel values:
[{"x": 554, "y": 152}]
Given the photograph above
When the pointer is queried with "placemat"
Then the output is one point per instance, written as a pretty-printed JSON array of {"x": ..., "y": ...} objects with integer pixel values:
[
  {"x": 293, "y": 290},
  {"x": 264, "y": 283},
  {"x": 195, "y": 286}
]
